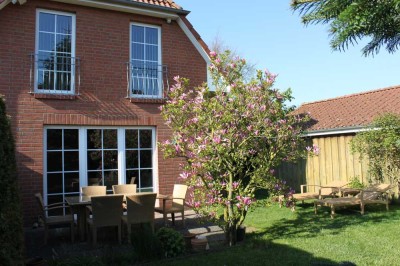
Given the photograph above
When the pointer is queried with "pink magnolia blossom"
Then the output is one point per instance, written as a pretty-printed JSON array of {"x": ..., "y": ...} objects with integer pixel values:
[
  {"x": 217, "y": 139},
  {"x": 213, "y": 54}
]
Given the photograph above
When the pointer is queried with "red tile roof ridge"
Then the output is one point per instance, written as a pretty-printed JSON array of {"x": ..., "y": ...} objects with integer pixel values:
[
  {"x": 162, "y": 3},
  {"x": 352, "y": 95}
]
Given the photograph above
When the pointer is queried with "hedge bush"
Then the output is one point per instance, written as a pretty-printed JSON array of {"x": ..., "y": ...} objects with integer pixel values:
[{"x": 11, "y": 230}]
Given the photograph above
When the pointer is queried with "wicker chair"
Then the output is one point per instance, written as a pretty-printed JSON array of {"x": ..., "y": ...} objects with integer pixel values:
[
  {"x": 106, "y": 211},
  {"x": 127, "y": 189},
  {"x": 54, "y": 220},
  {"x": 94, "y": 191},
  {"x": 140, "y": 210},
  {"x": 178, "y": 203}
]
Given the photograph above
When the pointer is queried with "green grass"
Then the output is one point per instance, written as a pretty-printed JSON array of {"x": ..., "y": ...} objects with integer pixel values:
[{"x": 303, "y": 238}]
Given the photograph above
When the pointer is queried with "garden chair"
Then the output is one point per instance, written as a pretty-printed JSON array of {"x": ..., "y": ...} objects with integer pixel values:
[
  {"x": 106, "y": 212},
  {"x": 178, "y": 203},
  {"x": 124, "y": 189},
  {"x": 376, "y": 194},
  {"x": 55, "y": 219},
  {"x": 128, "y": 189},
  {"x": 331, "y": 189},
  {"x": 93, "y": 191},
  {"x": 140, "y": 210}
]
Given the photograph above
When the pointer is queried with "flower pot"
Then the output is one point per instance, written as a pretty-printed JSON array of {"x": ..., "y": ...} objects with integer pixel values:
[
  {"x": 199, "y": 244},
  {"x": 188, "y": 240},
  {"x": 240, "y": 233}
]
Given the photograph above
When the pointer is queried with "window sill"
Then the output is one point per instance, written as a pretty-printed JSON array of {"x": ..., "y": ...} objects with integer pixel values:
[
  {"x": 147, "y": 100},
  {"x": 55, "y": 96}
]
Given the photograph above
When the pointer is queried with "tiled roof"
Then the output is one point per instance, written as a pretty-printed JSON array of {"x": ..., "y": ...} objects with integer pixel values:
[
  {"x": 353, "y": 110},
  {"x": 163, "y": 3}
]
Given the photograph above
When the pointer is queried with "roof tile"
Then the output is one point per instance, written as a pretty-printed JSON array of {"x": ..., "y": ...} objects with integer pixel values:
[
  {"x": 351, "y": 110},
  {"x": 163, "y": 3}
]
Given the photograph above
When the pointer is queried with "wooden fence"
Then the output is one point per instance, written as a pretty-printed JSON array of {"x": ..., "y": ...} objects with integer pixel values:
[{"x": 334, "y": 162}]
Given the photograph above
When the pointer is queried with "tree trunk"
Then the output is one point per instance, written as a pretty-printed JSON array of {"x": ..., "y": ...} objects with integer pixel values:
[{"x": 230, "y": 234}]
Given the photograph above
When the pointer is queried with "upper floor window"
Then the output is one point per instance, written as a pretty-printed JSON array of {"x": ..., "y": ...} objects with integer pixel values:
[
  {"x": 55, "y": 53},
  {"x": 145, "y": 69}
]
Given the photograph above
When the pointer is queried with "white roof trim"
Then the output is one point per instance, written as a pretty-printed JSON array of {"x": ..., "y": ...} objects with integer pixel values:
[
  {"x": 198, "y": 47},
  {"x": 334, "y": 131},
  {"x": 3, "y": 4}
]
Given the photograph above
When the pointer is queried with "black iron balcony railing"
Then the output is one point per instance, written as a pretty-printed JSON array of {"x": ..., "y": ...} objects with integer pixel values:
[
  {"x": 147, "y": 81},
  {"x": 54, "y": 74}
]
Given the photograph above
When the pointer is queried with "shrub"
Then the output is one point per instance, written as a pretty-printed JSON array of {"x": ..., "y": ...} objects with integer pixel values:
[
  {"x": 11, "y": 230},
  {"x": 356, "y": 183},
  {"x": 172, "y": 242},
  {"x": 145, "y": 244}
]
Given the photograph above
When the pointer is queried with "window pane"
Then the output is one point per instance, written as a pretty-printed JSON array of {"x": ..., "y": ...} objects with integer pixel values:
[
  {"x": 54, "y": 161},
  {"x": 48, "y": 80},
  {"x": 56, "y": 199},
  {"x": 146, "y": 178},
  {"x": 110, "y": 178},
  {"x": 46, "y": 22},
  {"x": 54, "y": 139},
  {"x": 145, "y": 138},
  {"x": 151, "y": 53},
  {"x": 46, "y": 41},
  {"x": 94, "y": 138},
  {"x": 137, "y": 51},
  {"x": 64, "y": 24},
  {"x": 71, "y": 182},
  {"x": 71, "y": 161},
  {"x": 95, "y": 178},
  {"x": 63, "y": 44},
  {"x": 131, "y": 138},
  {"x": 137, "y": 34},
  {"x": 71, "y": 139},
  {"x": 54, "y": 183},
  {"x": 152, "y": 35},
  {"x": 94, "y": 160},
  {"x": 110, "y": 160},
  {"x": 145, "y": 159},
  {"x": 46, "y": 60},
  {"x": 63, "y": 81},
  {"x": 132, "y": 159},
  {"x": 130, "y": 174},
  {"x": 110, "y": 139}
]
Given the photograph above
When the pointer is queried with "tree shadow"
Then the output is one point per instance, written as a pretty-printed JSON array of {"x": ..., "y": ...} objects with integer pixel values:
[{"x": 307, "y": 224}]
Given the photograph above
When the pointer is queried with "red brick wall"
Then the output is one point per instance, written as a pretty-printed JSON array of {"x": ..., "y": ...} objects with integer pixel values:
[{"x": 102, "y": 43}]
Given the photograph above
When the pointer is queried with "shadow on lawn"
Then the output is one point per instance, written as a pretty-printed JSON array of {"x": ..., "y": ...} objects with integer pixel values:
[
  {"x": 307, "y": 224},
  {"x": 256, "y": 250}
]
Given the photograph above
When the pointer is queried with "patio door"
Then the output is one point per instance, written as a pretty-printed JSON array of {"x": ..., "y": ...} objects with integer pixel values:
[{"x": 81, "y": 156}]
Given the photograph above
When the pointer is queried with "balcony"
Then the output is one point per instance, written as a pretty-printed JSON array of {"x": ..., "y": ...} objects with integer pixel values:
[
  {"x": 54, "y": 74},
  {"x": 147, "y": 81}
]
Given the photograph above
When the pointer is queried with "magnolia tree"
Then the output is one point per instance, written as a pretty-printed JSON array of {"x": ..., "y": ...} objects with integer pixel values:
[{"x": 231, "y": 139}]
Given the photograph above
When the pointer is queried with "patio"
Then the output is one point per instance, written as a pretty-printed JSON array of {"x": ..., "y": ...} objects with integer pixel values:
[{"x": 59, "y": 243}]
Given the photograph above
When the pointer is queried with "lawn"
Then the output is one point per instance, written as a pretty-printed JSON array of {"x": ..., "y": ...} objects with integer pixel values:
[{"x": 303, "y": 238}]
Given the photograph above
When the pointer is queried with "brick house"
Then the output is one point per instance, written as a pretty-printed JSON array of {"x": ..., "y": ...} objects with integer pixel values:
[
  {"x": 83, "y": 82},
  {"x": 334, "y": 122}
]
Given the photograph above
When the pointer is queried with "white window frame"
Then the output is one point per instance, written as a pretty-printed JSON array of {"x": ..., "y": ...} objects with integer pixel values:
[
  {"x": 159, "y": 63},
  {"x": 73, "y": 58},
  {"x": 82, "y": 133}
]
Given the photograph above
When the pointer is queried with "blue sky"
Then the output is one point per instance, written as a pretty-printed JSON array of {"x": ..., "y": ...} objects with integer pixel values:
[{"x": 268, "y": 34}]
